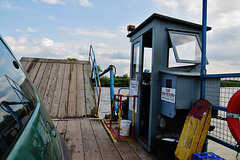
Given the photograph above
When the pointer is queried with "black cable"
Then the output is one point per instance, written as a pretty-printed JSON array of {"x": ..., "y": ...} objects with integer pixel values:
[{"x": 238, "y": 149}]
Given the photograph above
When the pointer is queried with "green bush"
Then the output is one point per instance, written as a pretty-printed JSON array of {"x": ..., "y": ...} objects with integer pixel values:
[
  {"x": 230, "y": 83},
  {"x": 118, "y": 82}
]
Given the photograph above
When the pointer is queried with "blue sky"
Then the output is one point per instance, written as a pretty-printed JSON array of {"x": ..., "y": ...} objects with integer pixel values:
[{"x": 61, "y": 28}]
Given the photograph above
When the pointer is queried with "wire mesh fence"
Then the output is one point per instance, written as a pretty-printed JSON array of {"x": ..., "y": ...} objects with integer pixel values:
[{"x": 218, "y": 92}]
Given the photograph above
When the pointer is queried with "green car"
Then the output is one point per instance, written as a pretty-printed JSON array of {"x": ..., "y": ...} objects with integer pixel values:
[{"x": 26, "y": 130}]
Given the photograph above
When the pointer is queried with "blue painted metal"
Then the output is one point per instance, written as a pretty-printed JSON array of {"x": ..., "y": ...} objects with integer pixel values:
[
  {"x": 204, "y": 37},
  {"x": 112, "y": 89},
  {"x": 10, "y": 110},
  {"x": 110, "y": 68},
  {"x": 122, "y": 88},
  {"x": 222, "y": 75},
  {"x": 94, "y": 68},
  {"x": 220, "y": 108},
  {"x": 222, "y": 142}
]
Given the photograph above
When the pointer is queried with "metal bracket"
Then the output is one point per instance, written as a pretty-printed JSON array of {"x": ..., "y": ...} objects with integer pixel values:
[{"x": 232, "y": 115}]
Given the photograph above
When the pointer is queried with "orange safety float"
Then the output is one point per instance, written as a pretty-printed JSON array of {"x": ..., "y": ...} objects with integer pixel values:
[{"x": 233, "y": 111}]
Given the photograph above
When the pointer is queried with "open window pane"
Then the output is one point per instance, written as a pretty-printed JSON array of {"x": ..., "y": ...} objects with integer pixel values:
[
  {"x": 186, "y": 47},
  {"x": 135, "y": 67}
]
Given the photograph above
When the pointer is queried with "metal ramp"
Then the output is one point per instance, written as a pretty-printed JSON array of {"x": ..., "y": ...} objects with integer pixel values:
[{"x": 64, "y": 86}]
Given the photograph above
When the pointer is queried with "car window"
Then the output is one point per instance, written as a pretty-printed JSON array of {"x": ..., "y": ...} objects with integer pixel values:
[{"x": 17, "y": 99}]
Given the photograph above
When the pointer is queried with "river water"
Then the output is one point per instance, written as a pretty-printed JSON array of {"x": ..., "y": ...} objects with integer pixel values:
[
  {"x": 228, "y": 154},
  {"x": 105, "y": 103}
]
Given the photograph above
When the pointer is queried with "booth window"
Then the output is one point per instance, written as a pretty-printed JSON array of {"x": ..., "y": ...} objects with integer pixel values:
[
  {"x": 185, "y": 47},
  {"x": 135, "y": 59}
]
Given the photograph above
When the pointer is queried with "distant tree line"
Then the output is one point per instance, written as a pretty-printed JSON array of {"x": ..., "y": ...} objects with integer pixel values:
[
  {"x": 119, "y": 81},
  {"x": 230, "y": 83}
]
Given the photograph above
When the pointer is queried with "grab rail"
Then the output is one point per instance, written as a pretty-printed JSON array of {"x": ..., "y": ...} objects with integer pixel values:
[
  {"x": 116, "y": 134},
  {"x": 95, "y": 75}
]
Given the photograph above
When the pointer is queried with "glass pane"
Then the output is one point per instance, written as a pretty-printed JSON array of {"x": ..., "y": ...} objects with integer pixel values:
[
  {"x": 17, "y": 99},
  {"x": 135, "y": 64},
  {"x": 172, "y": 60},
  {"x": 187, "y": 47},
  {"x": 147, "y": 62}
]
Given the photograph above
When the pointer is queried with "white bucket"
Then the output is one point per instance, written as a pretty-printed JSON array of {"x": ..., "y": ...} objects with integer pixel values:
[{"x": 124, "y": 127}]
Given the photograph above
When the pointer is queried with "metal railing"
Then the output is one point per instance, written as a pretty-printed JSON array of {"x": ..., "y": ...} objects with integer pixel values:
[
  {"x": 219, "y": 89},
  {"x": 95, "y": 75},
  {"x": 116, "y": 134}
]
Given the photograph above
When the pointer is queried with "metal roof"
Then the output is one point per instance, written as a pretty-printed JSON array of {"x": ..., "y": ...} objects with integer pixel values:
[{"x": 166, "y": 18}]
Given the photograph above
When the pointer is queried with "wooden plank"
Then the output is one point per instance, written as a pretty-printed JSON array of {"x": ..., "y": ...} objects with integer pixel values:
[
  {"x": 44, "y": 81},
  {"x": 29, "y": 59},
  {"x": 74, "y": 139},
  {"x": 106, "y": 146},
  {"x": 58, "y": 91},
  {"x": 64, "y": 95},
  {"x": 62, "y": 128},
  {"x": 54, "y": 60},
  {"x": 126, "y": 151},
  {"x": 91, "y": 107},
  {"x": 34, "y": 71},
  {"x": 39, "y": 75},
  {"x": 23, "y": 63},
  {"x": 72, "y": 91},
  {"x": 51, "y": 85},
  {"x": 144, "y": 155},
  {"x": 26, "y": 67},
  {"x": 31, "y": 65},
  {"x": 81, "y": 107},
  {"x": 91, "y": 150},
  {"x": 55, "y": 123}
]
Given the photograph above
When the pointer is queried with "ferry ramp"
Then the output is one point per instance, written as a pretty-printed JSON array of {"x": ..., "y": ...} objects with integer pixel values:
[
  {"x": 63, "y": 85},
  {"x": 69, "y": 97}
]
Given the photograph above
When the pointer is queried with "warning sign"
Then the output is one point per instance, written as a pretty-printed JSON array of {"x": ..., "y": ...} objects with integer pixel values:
[{"x": 168, "y": 94}]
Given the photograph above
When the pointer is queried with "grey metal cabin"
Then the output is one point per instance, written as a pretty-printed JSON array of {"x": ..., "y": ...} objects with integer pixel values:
[{"x": 165, "y": 74}]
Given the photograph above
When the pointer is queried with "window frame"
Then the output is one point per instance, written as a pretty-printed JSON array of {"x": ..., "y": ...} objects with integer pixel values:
[{"x": 178, "y": 60}]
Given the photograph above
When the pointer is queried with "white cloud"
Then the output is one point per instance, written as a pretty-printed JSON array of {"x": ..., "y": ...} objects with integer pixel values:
[
  {"x": 5, "y": 5},
  {"x": 48, "y": 48},
  {"x": 51, "y": 17},
  {"x": 44, "y": 47},
  {"x": 47, "y": 42},
  {"x": 96, "y": 32},
  {"x": 99, "y": 32},
  {"x": 85, "y": 3},
  {"x": 8, "y": 5},
  {"x": 28, "y": 29},
  {"x": 54, "y": 2},
  {"x": 172, "y": 4}
]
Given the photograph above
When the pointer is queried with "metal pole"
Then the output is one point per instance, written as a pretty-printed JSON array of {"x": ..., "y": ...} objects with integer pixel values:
[
  {"x": 204, "y": 35},
  {"x": 111, "y": 85},
  {"x": 203, "y": 66}
]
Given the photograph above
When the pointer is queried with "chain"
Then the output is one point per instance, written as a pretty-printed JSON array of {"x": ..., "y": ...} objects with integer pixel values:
[{"x": 220, "y": 118}]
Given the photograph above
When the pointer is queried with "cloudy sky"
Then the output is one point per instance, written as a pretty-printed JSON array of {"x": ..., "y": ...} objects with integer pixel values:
[{"x": 66, "y": 28}]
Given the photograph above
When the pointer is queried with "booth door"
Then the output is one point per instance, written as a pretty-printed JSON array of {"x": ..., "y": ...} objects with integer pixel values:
[{"x": 140, "y": 84}]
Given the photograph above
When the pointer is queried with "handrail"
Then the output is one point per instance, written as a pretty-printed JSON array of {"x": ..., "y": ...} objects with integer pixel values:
[
  {"x": 95, "y": 75},
  {"x": 116, "y": 134}
]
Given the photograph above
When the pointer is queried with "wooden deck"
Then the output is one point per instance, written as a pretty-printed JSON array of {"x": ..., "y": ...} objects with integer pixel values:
[
  {"x": 65, "y": 88},
  {"x": 63, "y": 85},
  {"x": 88, "y": 140}
]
